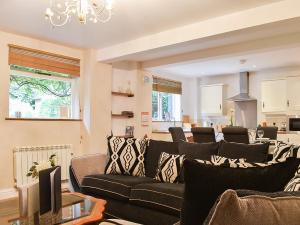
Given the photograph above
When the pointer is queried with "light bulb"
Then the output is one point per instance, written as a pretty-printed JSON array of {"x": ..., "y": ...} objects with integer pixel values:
[
  {"x": 109, "y": 4},
  {"x": 49, "y": 12}
]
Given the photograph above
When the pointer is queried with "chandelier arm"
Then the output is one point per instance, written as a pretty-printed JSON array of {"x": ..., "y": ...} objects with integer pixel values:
[
  {"x": 59, "y": 24},
  {"x": 93, "y": 11},
  {"x": 104, "y": 20}
]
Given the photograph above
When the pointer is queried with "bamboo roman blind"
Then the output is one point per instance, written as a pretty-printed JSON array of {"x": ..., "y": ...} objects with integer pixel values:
[
  {"x": 165, "y": 85},
  {"x": 41, "y": 60}
]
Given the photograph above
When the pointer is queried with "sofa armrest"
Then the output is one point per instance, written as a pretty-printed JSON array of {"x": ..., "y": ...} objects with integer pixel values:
[{"x": 87, "y": 165}]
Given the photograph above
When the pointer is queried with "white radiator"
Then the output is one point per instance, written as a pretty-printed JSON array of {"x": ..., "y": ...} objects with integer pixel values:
[{"x": 25, "y": 156}]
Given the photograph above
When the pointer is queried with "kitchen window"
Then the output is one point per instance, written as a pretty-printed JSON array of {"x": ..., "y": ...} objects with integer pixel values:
[
  {"x": 166, "y": 100},
  {"x": 37, "y": 93}
]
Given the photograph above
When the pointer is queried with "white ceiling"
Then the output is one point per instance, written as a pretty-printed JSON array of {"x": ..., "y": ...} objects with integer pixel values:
[
  {"x": 132, "y": 19},
  {"x": 229, "y": 65}
]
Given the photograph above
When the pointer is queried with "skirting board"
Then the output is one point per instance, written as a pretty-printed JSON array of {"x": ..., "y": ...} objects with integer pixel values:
[{"x": 8, "y": 193}]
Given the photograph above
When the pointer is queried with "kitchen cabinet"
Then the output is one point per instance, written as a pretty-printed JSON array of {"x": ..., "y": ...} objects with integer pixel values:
[
  {"x": 211, "y": 99},
  {"x": 293, "y": 100},
  {"x": 274, "y": 96}
]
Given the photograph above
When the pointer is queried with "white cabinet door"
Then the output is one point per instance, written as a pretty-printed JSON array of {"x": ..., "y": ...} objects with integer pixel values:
[
  {"x": 293, "y": 99},
  {"x": 274, "y": 96},
  {"x": 211, "y": 99}
]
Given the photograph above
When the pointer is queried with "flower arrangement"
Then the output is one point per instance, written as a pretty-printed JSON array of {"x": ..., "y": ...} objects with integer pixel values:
[{"x": 37, "y": 167}]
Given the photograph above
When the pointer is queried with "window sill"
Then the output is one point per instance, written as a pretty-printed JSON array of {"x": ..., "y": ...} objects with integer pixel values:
[
  {"x": 165, "y": 121},
  {"x": 40, "y": 119}
]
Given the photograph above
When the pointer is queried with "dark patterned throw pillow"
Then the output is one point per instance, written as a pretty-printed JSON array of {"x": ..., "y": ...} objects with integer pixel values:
[
  {"x": 221, "y": 161},
  {"x": 126, "y": 156},
  {"x": 294, "y": 184},
  {"x": 169, "y": 167}
]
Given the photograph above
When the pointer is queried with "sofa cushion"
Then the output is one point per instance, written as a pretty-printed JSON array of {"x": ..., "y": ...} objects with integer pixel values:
[
  {"x": 198, "y": 151},
  {"x": 250, "y": 152},
  {"x": 126, "y": 156},
  {"x": 263, "y": 208},
  {"x": 169, "y": 167},
  {"x": 204, "y": 183},
  {"x": 216, "y": 160},
  {"x": 153, "y": 152},
  {"x": 294, "y": 183},
  {"x": 284, "y": 150},
  {"x": 111, "y": 186},
  {"x": 166, "y": 197}
]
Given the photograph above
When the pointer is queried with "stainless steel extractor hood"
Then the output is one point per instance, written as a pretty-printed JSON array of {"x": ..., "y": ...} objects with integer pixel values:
[{"x": 243, "y": 96}]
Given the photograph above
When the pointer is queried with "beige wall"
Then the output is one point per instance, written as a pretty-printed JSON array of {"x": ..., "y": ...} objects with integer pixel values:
[
  {"x": 124, "y": 72},
  {"x": 96, "y": 104},
  {"x": 95, "y": 84}
]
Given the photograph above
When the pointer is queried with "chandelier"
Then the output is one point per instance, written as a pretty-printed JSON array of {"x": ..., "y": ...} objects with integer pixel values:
[{"x": 60, "y": 11}]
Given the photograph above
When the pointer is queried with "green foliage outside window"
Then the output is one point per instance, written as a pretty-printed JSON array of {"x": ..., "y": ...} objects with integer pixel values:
[{"x": 49, "y": 92}]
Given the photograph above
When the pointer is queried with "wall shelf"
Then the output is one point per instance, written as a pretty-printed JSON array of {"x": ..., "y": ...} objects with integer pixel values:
[
  {"x": 120, "y": 116},
  {"x": 125, "y": 136},
  {"x": 122, "y": 94}
]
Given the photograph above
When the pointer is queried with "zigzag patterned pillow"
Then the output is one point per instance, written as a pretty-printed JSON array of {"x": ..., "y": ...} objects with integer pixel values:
[
  {"x": 294, "y": 184},
  {"x": 126, "y": 156},
  {"x": 221, "y": 161},
  {"x": 233, "y": 163},
  {"x": 284, "y": 150},
  {"x": 169, "y": 167}
]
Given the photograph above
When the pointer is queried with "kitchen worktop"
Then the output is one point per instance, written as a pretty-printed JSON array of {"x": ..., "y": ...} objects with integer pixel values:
[{"x": 167, "y": 132}]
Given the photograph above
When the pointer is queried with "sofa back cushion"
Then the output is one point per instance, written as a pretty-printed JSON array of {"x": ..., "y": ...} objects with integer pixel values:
[
  {"x": 263, "y": 208},
  {"x": 250, "y": 152},
  {"x": 202, "y": 151},
  {"x": 205, "y": 182},
  {"x": 154, "y": 149}
]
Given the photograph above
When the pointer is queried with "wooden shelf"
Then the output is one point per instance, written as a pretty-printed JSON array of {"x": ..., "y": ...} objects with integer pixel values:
[
  {"x": 122, "y": 94},
  {"x": 125, "y": 136},
  {"x": 121, "y": 116}
]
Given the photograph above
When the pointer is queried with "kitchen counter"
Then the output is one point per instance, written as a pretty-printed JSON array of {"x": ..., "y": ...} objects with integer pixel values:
[
  {"x": 167, "y": 132},
  {"x": 164, "y": 135}
]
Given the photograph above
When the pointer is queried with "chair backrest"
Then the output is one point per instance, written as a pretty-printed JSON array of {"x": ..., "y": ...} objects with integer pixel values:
[
  {"x": 203, "y": 134},
  {"x": 269, "y": 132},
  {"x": 236, "y": 134},
  {"x": 177, "y": 134}
]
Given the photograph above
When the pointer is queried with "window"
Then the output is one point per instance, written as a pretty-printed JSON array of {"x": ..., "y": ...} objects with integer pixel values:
[
  {"x": 166, "y": 100},
  {"x": 166, "y": 106},
  {"x": 38, "y": 93},
  {"x": 38, "y": 96}
]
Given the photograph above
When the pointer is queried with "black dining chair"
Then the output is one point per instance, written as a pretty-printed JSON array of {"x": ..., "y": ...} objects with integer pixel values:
[
  {"x": 269, "y": 132},
  {"x": 203, "y": 134},
  {"x": 177, "y": 134},
  {"x": 236, "y": 134}
]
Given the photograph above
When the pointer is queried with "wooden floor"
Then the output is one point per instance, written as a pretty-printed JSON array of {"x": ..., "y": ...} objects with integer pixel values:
[{"x": 9, "y": 209}]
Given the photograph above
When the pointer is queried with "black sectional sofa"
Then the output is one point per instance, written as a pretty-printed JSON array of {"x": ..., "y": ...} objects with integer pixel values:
[{"x": 143, "y": 199}]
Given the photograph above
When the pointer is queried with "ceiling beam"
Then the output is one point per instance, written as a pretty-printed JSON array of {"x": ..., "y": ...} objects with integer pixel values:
[
  {"x": 248, "y": 47},
  {"x": 280, "y": 11}
]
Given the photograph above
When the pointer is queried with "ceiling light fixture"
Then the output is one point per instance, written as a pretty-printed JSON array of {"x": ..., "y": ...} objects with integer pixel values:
[{"x": 60, "y": 11}]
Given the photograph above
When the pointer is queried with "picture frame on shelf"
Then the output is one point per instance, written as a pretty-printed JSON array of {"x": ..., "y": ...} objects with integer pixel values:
[{"x": 129, "y": 131}]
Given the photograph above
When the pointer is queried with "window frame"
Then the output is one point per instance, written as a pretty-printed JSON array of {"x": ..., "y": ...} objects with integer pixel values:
[{"x": 75, "y": 95}]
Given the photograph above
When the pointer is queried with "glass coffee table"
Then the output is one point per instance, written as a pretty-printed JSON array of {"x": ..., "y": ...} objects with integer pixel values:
[{"x": 77, "y": 209}]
